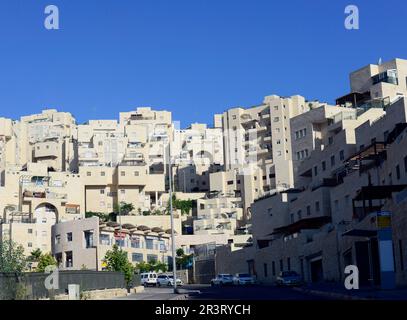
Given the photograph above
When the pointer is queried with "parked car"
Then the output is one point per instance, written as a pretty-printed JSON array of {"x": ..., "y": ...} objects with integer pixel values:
[
  {"x": 243, "y": 279},
  {"x": 168, "y": 280},
  {"x": 222, "y": 280},
  {"x": 148, "y": 279},
  {"x": 289, "y": 278}
]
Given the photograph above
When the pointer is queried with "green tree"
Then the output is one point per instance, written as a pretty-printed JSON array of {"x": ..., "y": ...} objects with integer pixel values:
[
  {"x": 143, "y": 266},
  {"x": 160, "y": 267},
  {"x": 185, "y": 206},
  {"x": 152, "y": 265},
  {"x": 124, "y": 208},
  {"x": 183, "y": 260},
  {"x": 46, "y": 260},
  {"x": 116, "y": 260},
  {"x": 35, "y": 255},
  {"x": 180, "y": 252},
  {"x": 12, "y": 258}
]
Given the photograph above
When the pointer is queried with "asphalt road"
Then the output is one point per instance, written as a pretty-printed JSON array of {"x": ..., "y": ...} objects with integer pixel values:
[{"x": 206, "y": 292}]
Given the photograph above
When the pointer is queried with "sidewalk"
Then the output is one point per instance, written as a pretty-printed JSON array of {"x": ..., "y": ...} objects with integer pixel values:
[{"x": 336, "y": 291}]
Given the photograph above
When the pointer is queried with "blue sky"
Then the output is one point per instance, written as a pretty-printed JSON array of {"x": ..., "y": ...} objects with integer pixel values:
[{"x": 192, "y": 57}]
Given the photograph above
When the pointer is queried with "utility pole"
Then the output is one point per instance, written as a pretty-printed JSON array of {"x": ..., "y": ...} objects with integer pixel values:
[{"x": 174, "y": 263}]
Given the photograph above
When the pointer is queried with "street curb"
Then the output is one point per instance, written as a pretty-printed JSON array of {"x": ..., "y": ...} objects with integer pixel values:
[
  {"x": 180, "y": 297},
  {"x": 330, "y": 294}
]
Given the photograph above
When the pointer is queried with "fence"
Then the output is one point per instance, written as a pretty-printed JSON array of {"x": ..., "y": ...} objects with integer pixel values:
[{"x": 32, "y": 285}]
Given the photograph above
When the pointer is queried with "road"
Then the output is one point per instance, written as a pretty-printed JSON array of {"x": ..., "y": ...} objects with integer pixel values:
[{"x": 206, "y": 292}]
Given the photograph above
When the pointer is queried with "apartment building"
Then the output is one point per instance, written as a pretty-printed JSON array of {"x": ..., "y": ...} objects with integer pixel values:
[
  {"x": 84, "y": 243},
  {"x": 218, "y": 214},
  {"x": 258, "y": 147},
  {"x": 6, "y": 153},
  {"x": 348, "y": 195},
  {"x": 197, "y": 152}
]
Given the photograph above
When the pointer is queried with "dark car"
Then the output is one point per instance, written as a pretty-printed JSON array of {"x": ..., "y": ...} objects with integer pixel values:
[{"x": 289, "y": 278}]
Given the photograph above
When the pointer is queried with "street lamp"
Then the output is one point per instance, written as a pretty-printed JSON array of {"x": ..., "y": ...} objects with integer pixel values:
[{"x": 174, "y": 264}]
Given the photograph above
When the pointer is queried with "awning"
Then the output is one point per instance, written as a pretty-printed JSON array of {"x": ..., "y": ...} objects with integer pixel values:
[
  {"x": 309, "y": 223},
  {"x": 369, "y": 152},
  {"x": 378, "y": 192},
  {"x": 360, "y": 233}
]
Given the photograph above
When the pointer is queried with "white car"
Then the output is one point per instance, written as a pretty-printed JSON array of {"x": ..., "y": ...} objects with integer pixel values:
[
  {"x": 166, "y": 280},
  {"x": 222, "y": 279},
  {"x": 242, "y": 279},
  {"x": 148, "y": 279}
]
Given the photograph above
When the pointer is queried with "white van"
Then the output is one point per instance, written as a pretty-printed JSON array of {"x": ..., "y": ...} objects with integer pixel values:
[{"x": 148, "y": 279}]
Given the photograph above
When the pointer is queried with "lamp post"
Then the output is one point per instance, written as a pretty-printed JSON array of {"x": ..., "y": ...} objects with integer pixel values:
[{"x": 174, "y": 264}]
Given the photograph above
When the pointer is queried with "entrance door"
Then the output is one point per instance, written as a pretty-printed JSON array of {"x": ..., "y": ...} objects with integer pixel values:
[{"x": 317, "y": 272}]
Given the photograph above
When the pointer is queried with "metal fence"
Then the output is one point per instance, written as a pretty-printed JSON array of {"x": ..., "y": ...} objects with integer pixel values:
[{"x": 32, "y": 285}]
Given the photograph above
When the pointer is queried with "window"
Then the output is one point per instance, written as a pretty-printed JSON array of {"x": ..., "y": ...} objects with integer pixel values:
[
  {"x": 315, "y": 171},
  {"x": 398, "y": 172},
  {"x": 300, "y": 134},
  {"x": 122, "y": 191},
  {"x": 234, "y": 117},
  {"x": 317, "y": 206},
  {"x": 68, "y": 259},
  {"x": 103, "y": 173},
  {"x": 88, "y": 237},
  {"x": 58, "y": 239},
  {"x": 299, "y": 214},
  {"x": 30, "y": 244},
  {"x": 273, "y": 268},
  {"x": 230, "y": 182},
  {"x": 279, "y": 153},
  {"x": 69, "y": 237},
  {"x": 102, "y": 191},
  {"x": 308, "y": 210},
  {"x": 405, "y": 164},
  {"x": 89, "y": 174},
  {"x": 332, "y": 161},
  {"x": 265, "y": 270},
  {"x": 276, "y": 108},
  {"x": 30, "y": 231},
  {"x": 123, "y": 173},
  {"x": 276, "y": 119},
  {"x": 136, "y": 242},
  {"x": 149, "y": 244},
  {"x": 330, "y": 140},
  {"x": 201, "y": 206},
  {"x": 288, "y": 264},
  {"x": 152, "y": 257},
  {"x": 136, "y": 173},
  {"x": 292, "y": 217},
  {"x": 281, "y": 265},
  {"x": 137, "y": 257},
  {"x": 100, "y": 143},
  {"x": 341, "y": 155},
  {"x": 104, "y": 239}
]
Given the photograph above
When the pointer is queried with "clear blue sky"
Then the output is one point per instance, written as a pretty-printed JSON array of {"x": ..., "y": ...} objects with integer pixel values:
[{"x": 192, "y": 57}]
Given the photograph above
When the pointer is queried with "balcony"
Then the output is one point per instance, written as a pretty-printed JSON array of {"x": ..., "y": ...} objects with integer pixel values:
[
  {"x": 388, "y": 76},
  {"x": 45, "y": 195},
  {"x": 136, "y": 156},
  {"x": 88, "y": 156}
]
